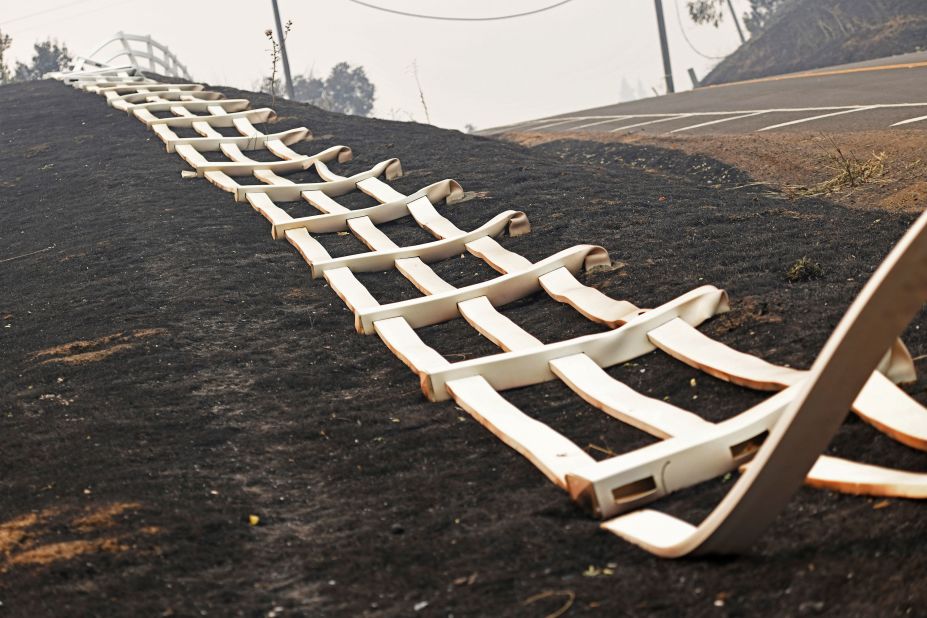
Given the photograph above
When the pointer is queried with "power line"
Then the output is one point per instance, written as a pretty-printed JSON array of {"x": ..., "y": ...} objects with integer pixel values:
[
  {"x": 686, "y": 37},
  {"x": 442, "y": 18},
  {"x": 54, "y": 8},
  {"x": 82, "y": 13}
]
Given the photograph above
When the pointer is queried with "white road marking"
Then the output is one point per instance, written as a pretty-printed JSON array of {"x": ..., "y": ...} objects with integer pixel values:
[
  {"x": 641, "y": 124},
  {"x": 810, "y": 118},
  {"x": 711, "y": 122},
  {"x": 529, "y": 123},
  {"x": 841, "y": 109},
  {"x": 554, "y": 124},
  {"x": 592, "y": 124},
  {"x": 522, "y": 125},
  {"x": 909, "y": 120}
]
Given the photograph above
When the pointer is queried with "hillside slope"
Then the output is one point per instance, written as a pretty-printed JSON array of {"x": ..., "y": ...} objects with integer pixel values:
[
  {"x": 808, "y": 34},
  {"x": 169, "y": 370}
]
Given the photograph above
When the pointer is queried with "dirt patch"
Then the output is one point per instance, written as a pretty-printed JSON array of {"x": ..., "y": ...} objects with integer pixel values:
[
  {"x": 296, "y": 294},
  {"x": 750, "y": 311},
  {"x": 910, "y": 198},
  {"x": 34, "y": 151},
  {"x": 59, "y": 552},
  {"x": 82, "y": 351},
  {"x": 103, "y": 517},
  {"x": 34, "y": 539},
  {"x": 866, "y": 169},
  {"x": 14, "y": 531}
]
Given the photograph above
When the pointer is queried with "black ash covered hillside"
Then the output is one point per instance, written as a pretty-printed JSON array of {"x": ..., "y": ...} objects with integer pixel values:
[
  {"x": 809, "y": 34},
  {"x": 168, "y": 371}
]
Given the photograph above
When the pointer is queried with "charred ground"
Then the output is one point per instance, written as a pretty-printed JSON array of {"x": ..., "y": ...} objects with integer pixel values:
[
  {"x": 168, "y": 370},
  {"x": 809, "y": 34}
]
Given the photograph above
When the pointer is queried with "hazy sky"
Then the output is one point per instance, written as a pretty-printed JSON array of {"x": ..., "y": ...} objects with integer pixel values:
[{"x": 482, "y": 73}]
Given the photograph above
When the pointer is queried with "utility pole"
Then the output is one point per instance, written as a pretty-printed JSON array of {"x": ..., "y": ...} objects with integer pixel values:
[
  {"x": 736, "y": 22},
  {"x": 664, "y": 47},
  {"x": 286, "y": 63}
]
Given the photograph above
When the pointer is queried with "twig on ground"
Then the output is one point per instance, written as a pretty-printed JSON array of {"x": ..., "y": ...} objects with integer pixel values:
[
  {"x": 569, "y": 594},
  {"x": 601, "y": 449},
  {"x": 849, "y": 173},
  {"x": 16, "y": 257}
]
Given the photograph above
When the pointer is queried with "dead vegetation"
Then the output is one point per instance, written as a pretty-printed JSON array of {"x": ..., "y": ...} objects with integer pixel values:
[
  {"x": 276, "y": 53},
  {"x": 92, "y": 350},
  {"x": 34, "y": 151},
  {"x": 56, "y": 535},
  {"x": 792, "y": 165},
  {"x": 847, "y": 172}
]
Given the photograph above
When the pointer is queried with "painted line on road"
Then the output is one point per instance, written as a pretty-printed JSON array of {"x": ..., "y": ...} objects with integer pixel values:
[
  {"x": 554, "y": 124},
  {"x": 711, "y": 122},
  {"x": 641, "y": 124},
  {"x": 810, "y": 118},
  {"x": 536, "y": 124},
  {"x": 806, "y": 74},
  {"x": 771, "y": 110},
  {"x": 524, "y": 125},
  {"x": 521, "y": 125},
  {"x": 592, "y": 124},
  {"x": 908, "y": 121}
]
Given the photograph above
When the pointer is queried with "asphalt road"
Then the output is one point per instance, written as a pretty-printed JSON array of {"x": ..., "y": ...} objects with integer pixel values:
[{"x": 870, "y": 95}]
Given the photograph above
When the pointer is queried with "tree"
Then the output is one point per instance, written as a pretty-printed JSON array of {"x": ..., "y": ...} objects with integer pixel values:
[
  {"x": 309, "y": 89},
  {"x": 712, "y": 12},
  {"x": 5, "y": 42},
  {"x": 48, "y": 57},
  {"x": 706, "y": 11},
  {"x": 346, "y": 90},
  {"x": 760, "y": 12}
]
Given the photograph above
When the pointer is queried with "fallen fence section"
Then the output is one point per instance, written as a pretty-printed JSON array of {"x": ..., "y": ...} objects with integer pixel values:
[{"x": 692, "y": 450}]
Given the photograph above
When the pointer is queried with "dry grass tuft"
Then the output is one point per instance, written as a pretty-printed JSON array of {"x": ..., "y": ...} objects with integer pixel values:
[{"x": 848, "y": 173}]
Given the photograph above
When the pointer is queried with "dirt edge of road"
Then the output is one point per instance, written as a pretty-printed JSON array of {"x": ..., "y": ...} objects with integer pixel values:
[{"x": 882, "y": 170}]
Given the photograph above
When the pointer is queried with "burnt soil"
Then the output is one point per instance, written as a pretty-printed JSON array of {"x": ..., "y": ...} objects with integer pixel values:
[
  {"x": 790, "y": 163},
  {"x": 809, "y": 34},
  {"x": 168, "y": 370}
]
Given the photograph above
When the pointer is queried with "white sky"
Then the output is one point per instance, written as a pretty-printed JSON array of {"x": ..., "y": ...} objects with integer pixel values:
[{"x": 483, "y": 73}]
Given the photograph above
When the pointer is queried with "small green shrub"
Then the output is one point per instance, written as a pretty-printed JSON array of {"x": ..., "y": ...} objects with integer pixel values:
[{"x": 804, "y": 270}]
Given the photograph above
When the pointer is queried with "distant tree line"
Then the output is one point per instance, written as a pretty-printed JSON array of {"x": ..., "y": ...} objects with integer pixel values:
[
  {"x": 48, "y": 56},
  {"x": 712, "y": 12},
  {"x": 346, "y": 90}
]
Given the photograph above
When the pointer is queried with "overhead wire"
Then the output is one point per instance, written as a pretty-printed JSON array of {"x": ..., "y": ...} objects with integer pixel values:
[
  {"x": 43, "y": 12},
  {"x": 447, "y": 18},
  {"x": 75, "y": 15},
  {"x": 689, "y": 42}
]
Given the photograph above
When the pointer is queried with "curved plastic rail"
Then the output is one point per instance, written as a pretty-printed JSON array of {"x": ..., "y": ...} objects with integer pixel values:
[
  {"x": 693, "y": 449},
  {"x": 887, "y": 303},
  {"x": 157, "y": 56}
]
